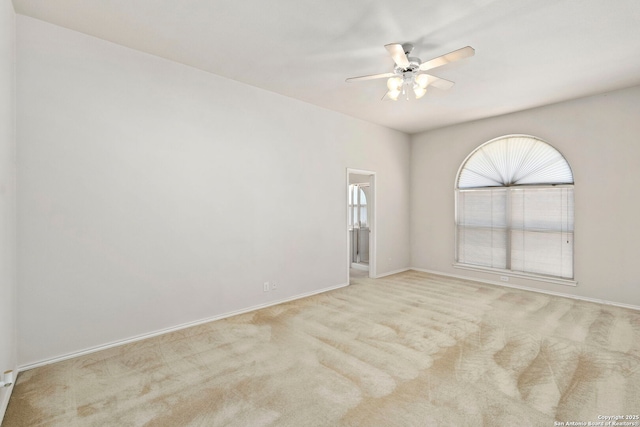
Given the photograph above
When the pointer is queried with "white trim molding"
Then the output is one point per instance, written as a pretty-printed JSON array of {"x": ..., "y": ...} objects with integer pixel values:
[
  {"x": 526, "y": 288},
  {"x": 373, "y": 226},
  {"x": 172, "y": 329},
  {"x": 7, "y": 395},
  {"x": 389, "y": 273},
  {"x": 359, "y": 266},
  {"x": 510, "y": 273}
]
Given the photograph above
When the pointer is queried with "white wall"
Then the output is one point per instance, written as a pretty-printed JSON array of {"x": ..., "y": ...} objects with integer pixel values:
[
  {"x": 7, "y": 196},
  {"x": 355, "y": 178},
  {"x": 152, "y": 194},
  {"x": 599, "y": 136}
]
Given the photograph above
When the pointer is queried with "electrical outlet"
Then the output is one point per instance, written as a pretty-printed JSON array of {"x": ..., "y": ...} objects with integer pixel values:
[
  {"x": 504, "y": 278},
  {"x": 274, "y": 286},
  {"x": 266, "y": 287}
]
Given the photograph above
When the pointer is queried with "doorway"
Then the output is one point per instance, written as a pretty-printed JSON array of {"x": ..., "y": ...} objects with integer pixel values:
[{"x": 360, "y": 223}]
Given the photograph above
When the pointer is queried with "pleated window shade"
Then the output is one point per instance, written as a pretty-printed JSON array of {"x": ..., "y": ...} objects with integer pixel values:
[{"x": 514, "y": 208}]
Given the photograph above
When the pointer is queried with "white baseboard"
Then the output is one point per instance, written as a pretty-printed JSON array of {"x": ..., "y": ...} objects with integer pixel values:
[
  {"x": 5, "y": 398},
  {"x": 5, "y": 401},
  {"x": 389, "y": 273},
  {"x": 526, "y": 288},
  {"x": 359, "y": 266},
  {"x": 172, "y": 329}
]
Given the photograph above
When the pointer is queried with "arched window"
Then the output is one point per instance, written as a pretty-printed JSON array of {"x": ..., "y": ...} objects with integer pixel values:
[
  {"x": 357, "y": 205},
  {"x": 514, "y": 208}
]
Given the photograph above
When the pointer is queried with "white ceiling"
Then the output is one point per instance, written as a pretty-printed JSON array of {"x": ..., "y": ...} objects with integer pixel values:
[{"x": 528, "y": 52}]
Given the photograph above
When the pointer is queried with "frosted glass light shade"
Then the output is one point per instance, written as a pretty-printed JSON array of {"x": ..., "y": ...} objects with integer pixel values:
[
  {"x": 394, "y": 94},
  {"x": 422, "y": 80},
  {"x": 395, "y": 84}
]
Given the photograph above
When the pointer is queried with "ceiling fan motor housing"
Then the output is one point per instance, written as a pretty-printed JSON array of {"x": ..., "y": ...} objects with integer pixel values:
[{"x": 414, "y": 66}]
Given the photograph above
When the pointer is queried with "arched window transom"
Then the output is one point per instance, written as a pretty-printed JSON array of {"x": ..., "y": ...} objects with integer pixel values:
[
  {"x": 514, "y": 208},
  {"x": 514, "y": 160}
]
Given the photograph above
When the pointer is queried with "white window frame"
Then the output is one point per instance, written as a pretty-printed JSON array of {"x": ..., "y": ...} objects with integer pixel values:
[{"x": 507, "y": 272}]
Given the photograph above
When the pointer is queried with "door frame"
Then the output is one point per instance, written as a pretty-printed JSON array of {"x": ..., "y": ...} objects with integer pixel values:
[{"x": 371, "y": 207}]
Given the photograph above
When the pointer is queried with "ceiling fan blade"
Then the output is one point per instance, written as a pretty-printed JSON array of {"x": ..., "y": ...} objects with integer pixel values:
[
  {"x": 437, "y": 82},
  {"x": 397, "y": 53},
  {"x": 369, "y": 77},
  {"x": 456, "y": 55}
]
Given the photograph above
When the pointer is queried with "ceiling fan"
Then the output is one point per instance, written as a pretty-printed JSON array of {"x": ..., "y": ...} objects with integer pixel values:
[{"x": 408, "y": 74}]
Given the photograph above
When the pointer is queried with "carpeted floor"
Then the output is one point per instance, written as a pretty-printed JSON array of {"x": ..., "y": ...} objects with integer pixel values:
[{"x": 408, "y": 350}]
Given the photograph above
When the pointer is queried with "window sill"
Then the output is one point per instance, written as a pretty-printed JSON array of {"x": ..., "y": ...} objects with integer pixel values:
[{"x": 509, "y": 273}]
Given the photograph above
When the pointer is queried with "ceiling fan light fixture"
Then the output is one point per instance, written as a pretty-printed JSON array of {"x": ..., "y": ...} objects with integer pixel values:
[
  {"x": 422, "y": 80},
  {"x": 419, "y": 91},
  {"x": 395, "y": 84},
  {"x": 408, "y": 73},
  {"x": 393, "y": 94}
]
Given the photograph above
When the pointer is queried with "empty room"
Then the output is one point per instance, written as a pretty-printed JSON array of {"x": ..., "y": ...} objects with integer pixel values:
[{"x": 303, "y": 213}]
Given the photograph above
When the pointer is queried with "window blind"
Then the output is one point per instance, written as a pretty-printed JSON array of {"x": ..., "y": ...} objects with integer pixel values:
[
  {"x": 482, "y": 227},
  {"x": 542, "y": 231},
  {"x": 514, "y": 160},
  {"x": 514, "y": 208}
]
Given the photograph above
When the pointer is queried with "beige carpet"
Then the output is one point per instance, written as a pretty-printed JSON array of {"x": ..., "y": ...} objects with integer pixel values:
[{"x": 408, "y": 350}]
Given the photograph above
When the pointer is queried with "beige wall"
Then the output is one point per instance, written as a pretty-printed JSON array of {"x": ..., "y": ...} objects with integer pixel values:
[
  {"x": 7, "y": 196},
  {"x": 153, "y": 194},
  {"x": 600, "y": 137}
]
